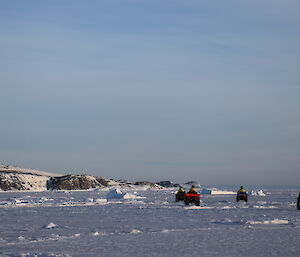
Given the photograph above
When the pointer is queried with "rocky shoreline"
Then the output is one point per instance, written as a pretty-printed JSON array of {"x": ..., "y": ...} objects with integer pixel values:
[{"x": 16, "y": 179}]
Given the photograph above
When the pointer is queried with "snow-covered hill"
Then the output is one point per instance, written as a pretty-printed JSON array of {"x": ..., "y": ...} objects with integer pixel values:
[{"x": 16, "y": 178}]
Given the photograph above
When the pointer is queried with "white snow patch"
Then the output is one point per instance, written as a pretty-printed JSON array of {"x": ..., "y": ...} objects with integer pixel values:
[
  {"x": 262, "y": 202},
  {"x": 96, "y": 233},
  {"x": 101, "y": 201},
  {"x": 214, "y": 191},
  {"x": 257, "y": 193},
  {"x": 198, "y": 207},
  {"x": 132, "y": 196},
  {"x": 135, "y": 231},
  {"x": 264, "y": 207},
  {"x": 266, "y": 222},
  {"x": 227, "y": 207}
]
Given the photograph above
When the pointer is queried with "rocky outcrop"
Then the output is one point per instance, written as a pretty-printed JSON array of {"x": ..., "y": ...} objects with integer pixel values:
[
  {"x": 147, "y": 183},
  {"x": 22, "y": 181},
  {"x": 167, "y": 183},
  {"x": 192, "y": 183},
  {"x": 76, "y": 182},
  {"x": 16, "y": 178}
]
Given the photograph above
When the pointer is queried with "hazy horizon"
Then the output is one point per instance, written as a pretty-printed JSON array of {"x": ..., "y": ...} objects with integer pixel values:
[{"x": 205, "y": 91}]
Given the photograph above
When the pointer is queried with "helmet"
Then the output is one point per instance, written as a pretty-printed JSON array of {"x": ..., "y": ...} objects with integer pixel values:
[{"x": 242, "y": 187}]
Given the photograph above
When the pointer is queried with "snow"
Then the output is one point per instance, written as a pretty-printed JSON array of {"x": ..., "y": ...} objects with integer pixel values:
[
  {"x": 148, "y": 223},
  {"x": 51, "y": 225},
  {"x": 118, "y": 194},
  {"x": 257, "y": 193},
  {"x": 266, "y": 222},
  {"x": 214, "y": 191}
]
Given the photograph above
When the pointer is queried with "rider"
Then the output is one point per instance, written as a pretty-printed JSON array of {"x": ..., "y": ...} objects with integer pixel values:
[
  {"x": 242, "y": 190},
  {"x": 181, "y": 190},
  {"x": 193, "y": 190}
]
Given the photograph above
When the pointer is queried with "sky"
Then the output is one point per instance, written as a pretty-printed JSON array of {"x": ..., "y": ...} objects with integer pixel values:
[{"x": 152, "y": 90}]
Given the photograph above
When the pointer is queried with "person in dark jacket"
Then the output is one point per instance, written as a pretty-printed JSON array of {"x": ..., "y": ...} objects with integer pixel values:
[
  {"x": 193, "y": 190},
  {"x": 181, "y": 190},
  {"x": 298, "y": 202}
]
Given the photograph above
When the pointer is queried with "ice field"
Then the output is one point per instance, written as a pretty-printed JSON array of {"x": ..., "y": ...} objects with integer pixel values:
[{"x": 147, "y": 222}]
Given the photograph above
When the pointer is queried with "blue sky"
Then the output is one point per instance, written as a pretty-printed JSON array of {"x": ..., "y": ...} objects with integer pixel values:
[{"x": 204, "y": 90}]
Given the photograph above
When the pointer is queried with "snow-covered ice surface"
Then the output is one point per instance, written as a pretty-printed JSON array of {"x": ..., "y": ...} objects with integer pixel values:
[{"x": 86, "y": 223}]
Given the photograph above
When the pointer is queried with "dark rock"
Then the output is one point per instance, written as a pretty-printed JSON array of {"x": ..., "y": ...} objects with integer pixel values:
[
  {"x": 167, "y": 183},
  {"x": 76, "y": 182},
  {"x": 124, "y": 182},
  {"x": 14, "y": 183},
  {"x": 192, "y": 183},
  {"x": 12, "y": 180},
  {"x": 146, "y": 183}
]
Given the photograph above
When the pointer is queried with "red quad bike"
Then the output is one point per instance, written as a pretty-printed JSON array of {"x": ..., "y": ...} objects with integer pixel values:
[
  {"x": 192, "y": 198},
  {"x": 180, "y": 196},
  {"x": 242, "y": 196}
]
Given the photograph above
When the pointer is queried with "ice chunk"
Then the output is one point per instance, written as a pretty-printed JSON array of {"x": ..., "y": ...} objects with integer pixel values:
[
  {"x": 101, "y": 201},
  {"x": 258, "y": 193},
  {"x": 51, "y": 225},
  {"x": 118, "y": 194},
  {"x": 135, "y": 231},
  {"x": 115, "y": 194}
]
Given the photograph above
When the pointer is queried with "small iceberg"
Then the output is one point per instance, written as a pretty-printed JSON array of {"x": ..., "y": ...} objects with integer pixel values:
[
  {"x": 118, "y": 194},
  {"x": 51, "y": 225},
  {"x": 115, "y": 194},
  {"x": 258, "y": 193}
]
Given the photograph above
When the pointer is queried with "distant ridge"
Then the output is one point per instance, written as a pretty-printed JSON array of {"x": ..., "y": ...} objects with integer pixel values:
[{"x": 15, "y": 169}]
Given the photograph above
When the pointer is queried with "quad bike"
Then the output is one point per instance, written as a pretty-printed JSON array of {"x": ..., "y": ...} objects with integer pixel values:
[
  {"x": 242, "y": 196},
  {"x": 192, "y": 198},
  {"x": 180, "y": 196}
]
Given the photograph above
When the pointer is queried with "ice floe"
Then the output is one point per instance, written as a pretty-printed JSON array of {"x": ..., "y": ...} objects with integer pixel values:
[{"x": 267, "y": 222}]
